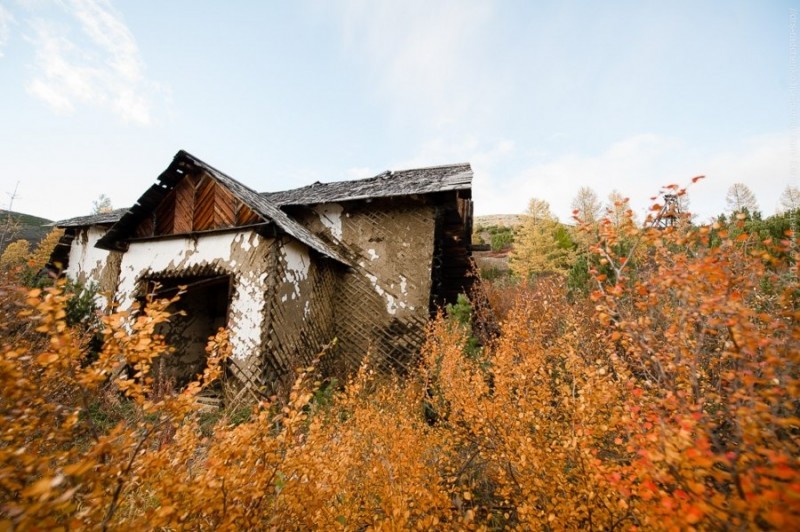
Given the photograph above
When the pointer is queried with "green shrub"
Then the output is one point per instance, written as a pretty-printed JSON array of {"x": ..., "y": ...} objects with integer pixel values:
[{"x": 502, "y": 240}]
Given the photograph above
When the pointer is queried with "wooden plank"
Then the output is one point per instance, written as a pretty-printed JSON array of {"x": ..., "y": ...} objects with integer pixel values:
[
  {"x": 165, "y": 215},
  {"x": 224, "y": 207},
  {"x": 204, "y": 218},
  {"x": 145, "y": 227},
  {"x": 246, "y": 216},
  {"x": 204, "y": 205},
  {"x": 184, "y": 205}
]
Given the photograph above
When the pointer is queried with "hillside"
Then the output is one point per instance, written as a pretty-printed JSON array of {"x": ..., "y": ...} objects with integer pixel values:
[
  {"x": 22, "y": 226},
  {"x": 500, "y": 220},
  {"x": 497, "y": 232}
]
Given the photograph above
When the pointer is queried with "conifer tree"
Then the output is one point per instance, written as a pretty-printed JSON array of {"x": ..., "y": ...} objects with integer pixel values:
[
  {"x": 41, "y": 255},
  {"x": 15, "y": 254},
  {"x": 543, "y": 244}
]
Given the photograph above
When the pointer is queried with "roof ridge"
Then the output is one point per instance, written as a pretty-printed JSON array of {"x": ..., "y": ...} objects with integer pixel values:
[
  {"x": 432, "y": 167},
  {"x": 269, "y": 210},
  {"x": 361, "y": 179},
  {"x": 197, "y": 160}
]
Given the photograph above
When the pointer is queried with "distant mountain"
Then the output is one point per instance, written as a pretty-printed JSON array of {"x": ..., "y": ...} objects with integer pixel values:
[{"x": 23, "y": 227}]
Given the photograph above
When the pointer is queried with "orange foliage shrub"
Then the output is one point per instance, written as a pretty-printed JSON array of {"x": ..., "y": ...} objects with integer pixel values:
[
  {"x": 706, "y": 337},
  {"x": 56, "y": 467},
  {"x": 667, "y": 400}
]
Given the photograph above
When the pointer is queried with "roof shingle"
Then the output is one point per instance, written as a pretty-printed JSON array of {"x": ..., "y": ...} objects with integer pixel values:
[
  {"x": 387, "y": 184},
  {"x": 103, "y": 218}
]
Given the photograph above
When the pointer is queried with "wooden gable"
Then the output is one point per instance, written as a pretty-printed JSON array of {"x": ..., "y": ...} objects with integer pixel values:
[{"x": 197, "y": 202}]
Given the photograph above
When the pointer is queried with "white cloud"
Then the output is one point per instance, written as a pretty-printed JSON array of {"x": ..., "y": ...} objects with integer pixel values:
[
  {"x": 49, "y": 94},
  {"x": 419, "y": 52},
  {"x": 762, "y": 163},
  {"x": 6, "y": 19},
  {"x": 107, "y": 30},
  {"x": 103, "y": 67}
]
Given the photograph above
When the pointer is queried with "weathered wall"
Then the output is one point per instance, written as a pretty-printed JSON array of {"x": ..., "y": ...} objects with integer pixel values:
[
  {"x": 243, "y": 255},
  {"x": 88, "y": 264},
  {"x": 300, "y": 314},
  {"x": 205, "y": 312},
  {"x": 382, "y": 306},
  {"x": 287, "y": 304}
]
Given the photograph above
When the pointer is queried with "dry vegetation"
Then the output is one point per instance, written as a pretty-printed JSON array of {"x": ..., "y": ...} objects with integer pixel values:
[{"x": 666, "y": 399}]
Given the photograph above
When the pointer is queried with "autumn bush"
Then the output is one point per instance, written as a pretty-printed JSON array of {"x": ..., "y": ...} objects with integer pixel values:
[{"x": 666, "y": 399}]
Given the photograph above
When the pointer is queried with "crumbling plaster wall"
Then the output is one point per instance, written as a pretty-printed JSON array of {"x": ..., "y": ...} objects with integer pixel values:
[
  {"x": 300, "y": 314},
  {"x": 243, "y": 255},
  {"x": 90, "y": 265},
  {"x": 382, "y": 305}
]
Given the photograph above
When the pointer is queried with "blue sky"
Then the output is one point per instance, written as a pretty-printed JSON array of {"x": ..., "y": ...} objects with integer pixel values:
[{"x": 96, "y": 96}]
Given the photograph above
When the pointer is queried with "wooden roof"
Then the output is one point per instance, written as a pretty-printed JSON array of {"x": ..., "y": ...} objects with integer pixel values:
[
  {"x": 429, "y": 180},
  {"x": 185, "y": 163},
  {"x": 387, "y": 184},
  {"x": 103, "y": 218}
]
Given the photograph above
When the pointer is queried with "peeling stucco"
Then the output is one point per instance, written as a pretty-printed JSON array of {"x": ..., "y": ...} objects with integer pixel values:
[
  {"x": 90, "y": 265},
  {"x": 330, "y": 215},
  {"x": 387, "y": 293},
  {"x": 218, "y": 252},
  {"x": 297, "y": 263}
]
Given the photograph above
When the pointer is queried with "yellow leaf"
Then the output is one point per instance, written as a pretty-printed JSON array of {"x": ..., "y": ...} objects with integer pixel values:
[
  {"x": 43, "y": 485},
  {"x": 46, "y": 358}
]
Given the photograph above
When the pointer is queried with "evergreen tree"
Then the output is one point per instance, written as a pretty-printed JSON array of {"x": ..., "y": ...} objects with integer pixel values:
[
  {"x": 41, "y": 255},
  {"x": 15, "y": 254},
  {"x": 543, "y": 245}
]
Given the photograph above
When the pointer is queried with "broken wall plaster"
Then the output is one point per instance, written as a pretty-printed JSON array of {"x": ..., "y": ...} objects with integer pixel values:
[
  {"x": 392, "y": 244},
  {"x": 301, "y": 319},
  {"x": 218, "y": 251},
  {"x": 330, "y": 215},
  {"x": 383, "y": 303},
  {"x": 297, "y": 263},
  {"x": 90, "y": 265}
]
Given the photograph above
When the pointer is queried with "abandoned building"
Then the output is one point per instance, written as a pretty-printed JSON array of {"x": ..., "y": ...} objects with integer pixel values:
[{"x": 366, "y": 262}]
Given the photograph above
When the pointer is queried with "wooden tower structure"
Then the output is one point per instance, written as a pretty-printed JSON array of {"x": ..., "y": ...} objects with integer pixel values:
[{"x": 670, "y": 213}]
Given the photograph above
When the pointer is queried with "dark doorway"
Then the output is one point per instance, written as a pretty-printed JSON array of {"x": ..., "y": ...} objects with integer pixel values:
[{"x": 201, "y": 310}]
